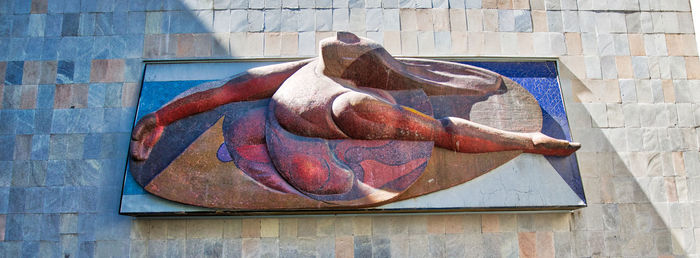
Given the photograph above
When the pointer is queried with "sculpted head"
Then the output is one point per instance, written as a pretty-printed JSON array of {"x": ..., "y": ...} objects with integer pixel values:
[{"x": 340, "y": 52}]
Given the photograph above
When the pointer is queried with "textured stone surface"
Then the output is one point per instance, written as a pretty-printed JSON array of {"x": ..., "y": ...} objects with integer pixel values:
[{"x": 51, "y": 151}]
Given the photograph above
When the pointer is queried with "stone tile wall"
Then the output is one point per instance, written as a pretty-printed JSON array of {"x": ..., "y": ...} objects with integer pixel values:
[{"x": 69, "y": 82}]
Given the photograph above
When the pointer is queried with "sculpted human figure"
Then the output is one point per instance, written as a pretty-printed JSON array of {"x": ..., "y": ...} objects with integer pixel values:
[{"x": 344, "y": 94}]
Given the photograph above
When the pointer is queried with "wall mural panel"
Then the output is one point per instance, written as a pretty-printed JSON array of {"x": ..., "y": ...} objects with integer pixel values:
[{"x": 353, "y": 130}]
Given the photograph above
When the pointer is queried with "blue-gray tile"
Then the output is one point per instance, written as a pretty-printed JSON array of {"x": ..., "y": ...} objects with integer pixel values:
[
  {"x": 37, "y": 22},
  {"x": 136, "y": 23},
  {"x": 40, "y": 147},
  {"x": 51, "y": 202},
  {"x": 88, "y": 200},
  {"x": 239, "y": 4},
  {"x": 45, "y": 96},
  {"x": 81, "y": 73},
  {"x": 30, "y": 249},
  {"x": 71, "y": 23},
  {"x": 43, "y": 120},
  {"x": 356, "y": 3},
  {"x": 153, "y": 5},
  {"x": 53, "y": 25},
  {"x": 50, "y": 50},
  {"x": 363, "y": 246},
  {"x": 64, "y": 73},
  {"x": 70, "y": 199},
  {"x": 87, "y": 249},
  {"x": 96, "y": 95},
  {"x": 133, "y": 68},
  {"x": 31, "y": 46},
  {"x": 13, "y": 227},
  {"x": 49, "y": 249},
  {"x": 4, "y": 199},
  {"x": 137, "y": 5},
  {"x": 31, "y": 227},
  {"x": 103, "y": 24},
  {"x": 5, "y": 25},
  {"x": 25, "y": 121},
  {"x": 174, "y": 5},
  {"x": 55, "y": 6},
  {"x": 11, "y": 98},
  {"x": 16, "y": 203},
  {"x": 87, "y": 24},
  {"x": 49, "y": 227},
  {"x": 33, "y": 201},
  {"x": 5, "y": 173},
  {"x": 119, "y": 23},
  {"x": 55, "y": 172},
  {"x": 9, "y": 123},
  {"x": 18, "y": 49},
  {"x": 272, "y": 20},
  {"x": 86, "y": 226},
  {"x": 22, "y": 6},
  {"x": 14, "y": 72}
]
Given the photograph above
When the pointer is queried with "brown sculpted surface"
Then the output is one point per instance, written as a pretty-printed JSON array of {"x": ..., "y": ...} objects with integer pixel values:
[{"x": 353, "y": 128}]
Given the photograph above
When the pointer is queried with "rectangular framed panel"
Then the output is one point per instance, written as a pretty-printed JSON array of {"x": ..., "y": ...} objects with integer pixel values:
[{"x": 200, "y": 165}]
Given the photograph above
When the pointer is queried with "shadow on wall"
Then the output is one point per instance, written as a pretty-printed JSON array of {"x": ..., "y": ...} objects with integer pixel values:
[{"x": 633, "y": 200}]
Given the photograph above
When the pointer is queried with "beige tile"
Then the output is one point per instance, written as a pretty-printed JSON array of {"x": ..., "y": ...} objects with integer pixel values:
[
  {"x": 424, "y": 19},
  {"x": 459, "y": 42},
  {"x": 505, "y": 4},
  {"x": 636, "y": 42},
  {"x": 203, "y": 43},
  {"x": 545, "y": 244},
  {"x": 289, "y": 44},
  {"x": 343, "y": 226},
  {"x": 409, "y": 43},
  {"x": 669, "y": 93},
  {"x": 573, "y": 43},
  {"x": 130, "y": 94},
  {"x": 475, "y": 20},
  {"x": 250, "y": 228},
  {"x": 205, "y": 228},
  {"x": 454, "y": 224},
  {"x": 527, "y": 244},
  {"x": 269, "y": 227},
  {"x": 521, "y": 4},
  {"x": 392, "y": 42},
  {"x": 158, "y": 230},
  {"x": 539, "y": 21},
  {"x": 254, "y": 44},
  {"x": 185, "y": 45},
  {"x": 624, "y": 67},
  {"x": 31, "y": 72},
  {"x": 362, "y": 226},
  {"x": 492, "y": 43},
  {"x": 28, "y": 97},
  {"x": 344, "y": 247},
  {"x": 408, "y": 19},
  {"x": 237, "y": 43},
  {"x": 490, "y": 20},
  {"x": 426, "y": 43},
  {"x": 489, "y": 4},
  {"x": 273, "y": 44},
  {"x": 177, "y": 229},
  {"x": 48, "y": 72},
  {"x": 288, "y": 227},
  {"x": 525, "y": 47},
  {"x": 441, "y": 20},
  {"x": 232, "y": 228},
  {"x": 458, "y": 20},
  {"x": 436, "y": 225},
  {"x": 489, "y": 223},
  {"x": 475, "y": 43},
  {"x": 692, "y": 67},
  {"x": 670, "y": 189}
]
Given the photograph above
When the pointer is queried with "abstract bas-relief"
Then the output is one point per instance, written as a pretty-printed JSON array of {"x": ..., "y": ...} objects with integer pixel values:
[{"x": 354, "y": 128}]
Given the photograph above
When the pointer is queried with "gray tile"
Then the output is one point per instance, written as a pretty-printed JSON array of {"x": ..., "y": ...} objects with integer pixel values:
[
  {"x": 363, "y": 246},
  {"x": 50, "y": 227},
  {"x": 457, "y": 4},
  {"x": 20, "y": 25},
  {"x": 523, "y": 21},
  {"x": 355, "y": 3},
  {"x": 272, "y": 20},
  {"x": 256, "y": 20},
  {"x": 324, "y": 19}
]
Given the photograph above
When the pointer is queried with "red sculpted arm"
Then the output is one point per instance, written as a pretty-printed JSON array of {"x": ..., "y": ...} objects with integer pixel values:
[{"x": 254, "y": 84}]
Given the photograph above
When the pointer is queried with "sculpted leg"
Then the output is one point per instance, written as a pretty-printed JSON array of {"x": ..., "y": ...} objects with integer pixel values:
[{"x": 363, "y": 116}]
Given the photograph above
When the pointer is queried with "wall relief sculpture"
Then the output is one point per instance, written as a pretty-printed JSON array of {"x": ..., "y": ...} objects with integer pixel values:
[{"x": 352, "y": 128}]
